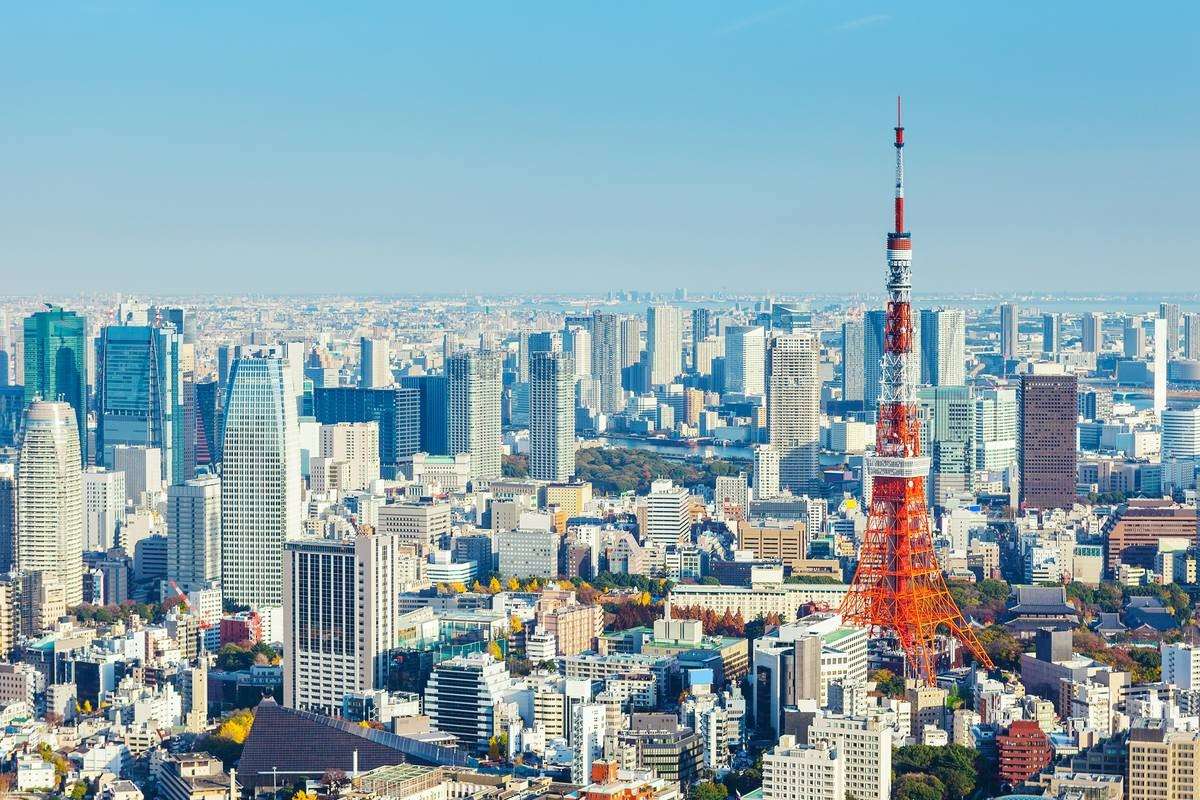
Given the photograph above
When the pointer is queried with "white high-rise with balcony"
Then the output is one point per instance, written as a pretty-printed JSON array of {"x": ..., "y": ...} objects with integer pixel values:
[
  {"x": 745, "y": 360},
  {"x": 794, "y": 409},
  {"x": 474, "y": 379},
  {"x": 50, "y": 518},
  {"x": 664, "y": 343},
  {"x": 260, "y": 480},
  {"x": 551, "y": 417}
]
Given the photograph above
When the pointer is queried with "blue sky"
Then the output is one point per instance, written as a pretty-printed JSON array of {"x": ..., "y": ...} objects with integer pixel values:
[{"x": 488, "y": 146}]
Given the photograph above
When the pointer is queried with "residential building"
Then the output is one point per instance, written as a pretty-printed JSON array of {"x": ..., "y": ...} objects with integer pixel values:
[
  {"x": 943, "y": 347},
  {"x": 1009, "y": 331},
  {"x": 865, "y": 744},
  {"x": 552, "y": 417},
  {"x": 1164, "y": 764},
  {"x": 745, "y": 360},
  {"x": 664, "y": 344},
  {"x": 104, "y": 507},
  {"x": 473, "y": 388},
  {"x": 349, "y": 457},
  {"x": 793, "y": 388},
  {"x": 1024, "y": 751},
  {"x": 194, "y": 533},
  {"x": 375, "y": 371},
  {"x": 408, "y": 417},
  {"x": 794, "y": 771},
  {"x": 668, "y": 515},
  {"x": 461, "y": 698}
]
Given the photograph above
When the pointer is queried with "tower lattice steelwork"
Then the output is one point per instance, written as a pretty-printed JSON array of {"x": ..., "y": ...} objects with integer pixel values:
[{"x": 898, "y": 588}]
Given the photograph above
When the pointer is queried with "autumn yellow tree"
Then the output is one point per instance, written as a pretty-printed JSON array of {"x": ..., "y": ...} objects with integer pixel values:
[
  {"x": 515, "y": 625},
  {"x": 495, "y": 651},
  {"x": 494, "y": 585},
  {"x": 513, "y": 585},
  {"x": 643, "y": 599},
  {"x": 458, "y": 587},
  {"x": 477, "y": 587},
  {"x": 533, "y": 585}
]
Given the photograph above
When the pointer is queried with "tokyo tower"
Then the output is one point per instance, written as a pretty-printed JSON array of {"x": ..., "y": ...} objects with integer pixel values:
[{"x": 898, "y": 589}]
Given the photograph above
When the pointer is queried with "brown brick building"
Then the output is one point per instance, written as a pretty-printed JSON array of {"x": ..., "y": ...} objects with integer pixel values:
[{"x": 1132, "y": 534}]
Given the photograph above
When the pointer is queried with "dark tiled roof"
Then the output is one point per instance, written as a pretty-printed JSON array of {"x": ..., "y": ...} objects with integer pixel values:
[
  {"x": 1158, "y": 618},
  {"x": 295, "y": 742},
  {"x": 1107, "y": 621}
]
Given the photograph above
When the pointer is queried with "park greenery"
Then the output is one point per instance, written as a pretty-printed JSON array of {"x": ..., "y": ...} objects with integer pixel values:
[
  {"x": 614, "y": 470},
  {"x": 935, "y": 773},
  {"x": 234, "y": 657}
]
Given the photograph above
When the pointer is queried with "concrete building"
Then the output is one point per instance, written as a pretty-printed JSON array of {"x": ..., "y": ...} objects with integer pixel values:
[
  {"x": 552, "y": 417},
  {"x": 793, "y": 387},
  {"x": 421, "y": 523},
  {"x": 1047, "y": 454},
  {"x": 1163, "y": 764},
  {"x": 1180, "y": 665},
  {"x": 474, "y": 388},
  {"x": 803, "y": 772},
  {"x": 104, "y": 507},
  {"x": 375, "y": 371},
  {"x": 1024, "y": 750},
  {"x": 745, "y": 360},
  {"x": 664, "y": 344},
  {"x": 339, "y": 618},
  {"x": 349, "y": 457},
  {"x": 668, "y": 515},
  {"x": 194, "y": 533},
  {"x": 785, "y": 541},
  {"x": 866, "y": 747},
  {"x": 1009, "y": 331},
  {"x": 1133, "y": 533},
  {"x": 50, "y": 503},
  {"x": 527, "y": 553},
  {"x": 943, "y": 347},
  {"x": 766, "y": 472},
  {"x": 461, "y": 698},
  {"x": 1180, "y": 433}
]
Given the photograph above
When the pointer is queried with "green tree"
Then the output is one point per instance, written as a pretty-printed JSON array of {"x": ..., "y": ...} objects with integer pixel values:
[
  {"x": 918, "y": 787},
  {"x": 889, "y": 683},
  {"x": 708, "y": 790}
]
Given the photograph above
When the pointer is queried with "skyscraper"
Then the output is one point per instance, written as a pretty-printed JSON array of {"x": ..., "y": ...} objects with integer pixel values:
[
  {"x": 1191, "y": 336},
  {"x": 140, "y": 395},
  {"x": 1009, "y": 331},
  {"x": 56, "y": 363},
  {"x": 1047, "y": 457},
  {"x": 793, "y": 409},
  {"x": 375, "y": 370},
  {"x": 473, "y": 387},
  {"x": 1169, "y": 313},
  {"x": 552, "y": 417},
  {"x": 1181, "y": 433},
  {"x": 668, "y": 515},
  {"x": 194, "y": 533},
  {"x": 607, "y": 361},
  {"x": 1162, "y": 351},
  {"x": 577, "y": 341},
  {"x": 745, "y": 360},
  {"x": 1092, "y": 332},
  {"x": 664, "y": 343},
  {"x": 948, "y": 437},
  {"x": 996, "y": 432},
  {"x": 1051, "y": 334},
  {"x": 766, "y": 472},
  {"x": 943, "y": 347},
  {"x": 339, "y": 618},
  {"x": 8, "y": 526},
  {"x": 701, "y": 328},
  {"x": 50, "y": 497},
  {"x": 260, "y": 480},
  {"x": 631, "y": 341},
  {"x": 853, "y": 364},
  {"x": 411, "y": 417},
  {"x": 104, "y": 507},
  {"x": 1134, "y": 338}
]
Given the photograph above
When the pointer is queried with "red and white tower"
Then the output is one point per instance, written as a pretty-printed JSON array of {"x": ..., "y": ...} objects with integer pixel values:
[{"x": 898, "y": 588}]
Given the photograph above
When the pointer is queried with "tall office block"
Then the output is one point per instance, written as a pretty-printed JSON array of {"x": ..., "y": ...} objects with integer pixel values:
[
  {"x": 766, "y": 472},
  {"x": 948, "y": 433},
  {"x": 1181, "y": 433},
  {"x": 398, "y": 410},
  {"x": 853, "y": 364},
  {"x": 1191, "y": 336},
  {"x": 1169, "y": 313},
  {"x": 702, "y": 319},
  {"x": 8, "y": 525},
  {"x": 260, "y": 480},
  {"x": 462, "y": 695},
  {"x": 943, "y": 347},
  {"x": 1051, "y": 334},
  {"x": 194, "y": 533},
  {"x": 745, "y": 360},
  {"x": 339, "y": 618},
  {"x": 1047, "y": 453},
  {"x": 208, "y": 423},
  {"x": 606, "y": 361},
  {"x": 1134, "y": 338},
  {"x": 552, "y": 417},
  {"x": 664, "y": 344},
  {"x": 12, "y": 411},
  {"x": 50, "y": 497},
  {"x": 577, "y": 342},
  {"x": 104, "y": 507},
  {"x": 375, "y": 369},
  {"x": 631, "y": 341},
  {"x": 142, "y": 468},
  {"x": 349, "y": 457},
  {"x": 1092, "y": 332},
  {"x": 1010, "y": 326},
  {"x": 140, "y": 395},
  {"x": 1162, "y": 349},
  {"x": 56, "y": 363},
  {"x": 473, "y": 386},
  {"x": 668, "y": 515},
  {"x": 794, "y": 409}
]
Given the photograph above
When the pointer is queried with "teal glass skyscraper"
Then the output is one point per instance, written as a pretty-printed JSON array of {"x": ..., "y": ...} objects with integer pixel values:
[
  {"x": 56, "y": 365},
  {"x": 139, "y": 395}
]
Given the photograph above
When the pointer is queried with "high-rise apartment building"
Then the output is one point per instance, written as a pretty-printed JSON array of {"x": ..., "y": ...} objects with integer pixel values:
[
  {"x": 473, "y": 387},
  {"x": 803, "y": 772},
  {"x": 631, "y": 341},
  {"x": 375, "y": 369},
  {"x": 1047, "y": 452},
  {"x": 462, "y": 695},
  {"x": 260, "y": 480},
  {"x": 1191, "y": 336},
  {"x": 140, "y": 396},
  {"x": 588, "y": 724},
  {"x": 664, "y": 344},
  {"x": 1010, "y": 326},
  {"x": 552, "y": 417},
  {"x": 1162, "y": 346},
  {"x": 766, "y": 472},
  {"x": 577, "y": 342},
  {"x": 194, "y": 533},
  {"x": 702, "y": 319},
  {"x": 668, "y": 515},
  {"x": 339, "y": 618},
  {"x": 745, "y": 360},
  {"x": 943, "y": 347},
  {"x": 349, "y": 457},
  {"x": 1051, "y": 334},
  {"x": 1169, "y": 313},
  {"x": 1180, "y": 664},
  {"x": 56, "y": 364},
  {"x": 1092, "y": 332},
  {"x": 8, "y": 524},
  {"x": 865, "y": 744},
  {"x": 853, "y": 365},
  {"x": 50, "y": 518},
  {"x": 793, "y": 387},
  {"x": 1024, "y": 751},
  {"x": 606, "y": 361}
]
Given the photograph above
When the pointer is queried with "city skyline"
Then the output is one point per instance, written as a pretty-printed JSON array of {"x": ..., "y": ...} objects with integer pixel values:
[{"x": 222, "y": 146}]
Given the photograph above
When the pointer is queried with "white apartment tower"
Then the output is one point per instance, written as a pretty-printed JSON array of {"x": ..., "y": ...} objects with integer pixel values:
[
  {"x": 194, "y": 533},
  {"x": 766, "y": 472},
  {"x": 551, "y": 417},
  {"x": 340, "y": 618},
  {"x": 1092, "y": 328},
  {"x": 50, "y": 497},
  {"x": 588, "y": 724},
  {"x": 794, "y": 409},
  {"x": 664, "y": 343},
  {"x": 745, "y": 360},
  {"x": 865, "y": 744},
  {"x": 104, "y": 507},
  {"x": 260, "y": 480},
  {"x": 473, "y": 387},
  {"x": 349, "y": 458},
  {"x": 803, "y": 772},
  {"x": 375, "y": 370},
  {"x": 668, "y": 514}
]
